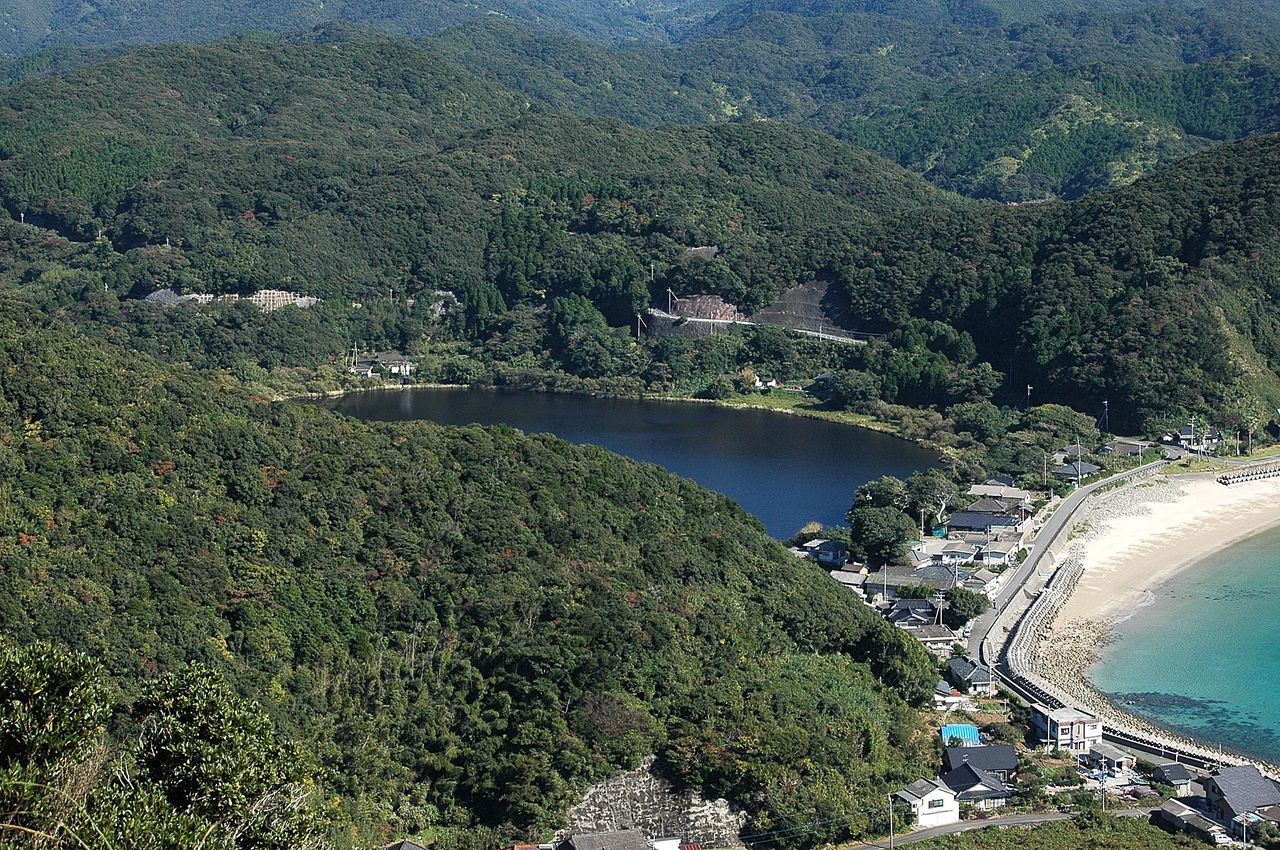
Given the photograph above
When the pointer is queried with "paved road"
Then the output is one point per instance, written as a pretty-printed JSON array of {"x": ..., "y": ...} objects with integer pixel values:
[
  {"x": 663, "y": 314},
  {"x": 1044, "y": 540},
  {"x": 968, "y": 825},
  {"x": 963, "y": 826}
]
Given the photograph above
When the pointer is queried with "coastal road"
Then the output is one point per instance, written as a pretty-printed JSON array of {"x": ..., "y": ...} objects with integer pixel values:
[
  {"x": 962, "y": 826},
  {"x": 970, "y": 825},
  {"x": 1044, "y": 540}
]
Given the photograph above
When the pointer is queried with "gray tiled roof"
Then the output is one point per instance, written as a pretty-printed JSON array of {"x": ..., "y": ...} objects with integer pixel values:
[
  {"x": 1245, "y": 788},
  {"x": 993, "y": 757},
  {"x": 966, "y": 776},
  {"x": 1174, "y": 772}
]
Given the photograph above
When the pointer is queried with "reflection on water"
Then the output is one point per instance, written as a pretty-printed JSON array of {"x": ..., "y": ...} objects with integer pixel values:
[{"x": 787, "y": 470}]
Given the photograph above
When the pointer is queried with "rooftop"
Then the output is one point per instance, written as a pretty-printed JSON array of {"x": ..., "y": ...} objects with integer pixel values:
[
  {"x": 1174, "y": 772},
  {"x": 922, "y": 788},
  {"x": 993, "y": 757},
  {"x": 1245, "y": 788},
  {"x": 967, "y": 733},
  {"x": 966, "y": 776}
]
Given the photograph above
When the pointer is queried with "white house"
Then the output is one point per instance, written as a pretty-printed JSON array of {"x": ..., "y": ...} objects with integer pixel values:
[
  {"x": 932, "y": 803},
  {"x": 1066, "y": 728}
]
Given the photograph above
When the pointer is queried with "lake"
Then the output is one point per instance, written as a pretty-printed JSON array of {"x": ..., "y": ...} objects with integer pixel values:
[{"x": 786, "y": 470}]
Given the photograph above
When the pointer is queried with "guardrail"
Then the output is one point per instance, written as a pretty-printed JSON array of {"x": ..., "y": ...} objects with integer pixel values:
[{"x": 1012, "y": 664}]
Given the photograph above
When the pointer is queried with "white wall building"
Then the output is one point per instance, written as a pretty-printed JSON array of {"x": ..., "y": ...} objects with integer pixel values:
[
  {"x": 932, "y": 803},
  {"x": 1066, "y": 728}
]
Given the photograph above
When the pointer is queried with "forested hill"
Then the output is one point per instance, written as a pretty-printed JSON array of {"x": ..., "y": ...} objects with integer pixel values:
[
  {"x": 35, "y": 24},
  {"x": 343, "y": 166},
  {"x": 461, "y": 626},
  {"x": 1057, "y": 105}
]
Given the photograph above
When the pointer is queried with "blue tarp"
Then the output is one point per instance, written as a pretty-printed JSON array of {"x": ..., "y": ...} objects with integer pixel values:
[{"x": 967, "y": 733}]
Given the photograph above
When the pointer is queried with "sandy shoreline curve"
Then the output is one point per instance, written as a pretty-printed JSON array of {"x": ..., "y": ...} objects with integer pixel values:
[
  {"x": 1129, "y": 541},
  {"x": 1138, "y": 537}
]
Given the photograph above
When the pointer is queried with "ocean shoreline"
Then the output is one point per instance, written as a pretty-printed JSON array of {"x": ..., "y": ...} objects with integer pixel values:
[{"x": 1124, "y": 559}]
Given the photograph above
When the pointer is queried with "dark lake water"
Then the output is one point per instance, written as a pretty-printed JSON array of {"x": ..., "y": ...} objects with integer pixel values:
[{"x": 787, "y": 470}]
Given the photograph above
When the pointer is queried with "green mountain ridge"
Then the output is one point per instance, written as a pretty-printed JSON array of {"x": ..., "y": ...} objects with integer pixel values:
[
  {"x": 424, "y": 178},
  {"x": 38, "y": 24},
  {"x": 977, "y": 109}
]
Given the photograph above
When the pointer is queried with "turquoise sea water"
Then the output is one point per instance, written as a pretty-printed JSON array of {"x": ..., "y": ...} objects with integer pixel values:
[{"x": 1202, "y": 655}]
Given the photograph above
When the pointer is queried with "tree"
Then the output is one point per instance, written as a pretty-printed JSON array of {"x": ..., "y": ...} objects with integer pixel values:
[
  {"x": 216, "y": 755},
  {"x": 853, "y": 389},
  {"x": 881, "y": 533},
  {"x": 963, "y": 606},
  {"x": 55, "y": 704},
  {"x": 933, "y": 492},
  {"x": 883, "y": 492}
]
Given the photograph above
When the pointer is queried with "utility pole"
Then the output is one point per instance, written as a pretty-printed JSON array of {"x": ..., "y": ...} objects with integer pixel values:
[
  {"x": 1029, "y": 389},
  {"x": 890, "y": 822}
]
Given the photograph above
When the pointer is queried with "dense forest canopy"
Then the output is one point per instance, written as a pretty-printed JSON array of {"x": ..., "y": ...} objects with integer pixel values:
[
  {"x": 1056, "y": 104},
  {"x": 461, "y": 626},
  {"x": 35, "y": 24},
  {"x": 393, "y": 629},
  {"x": 350, "y": 167}
]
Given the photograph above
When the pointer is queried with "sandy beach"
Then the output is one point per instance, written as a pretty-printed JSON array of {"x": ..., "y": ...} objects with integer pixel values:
[
  {"x": 1128, "y": 541},
  {"x": 1137, "y": 537}
]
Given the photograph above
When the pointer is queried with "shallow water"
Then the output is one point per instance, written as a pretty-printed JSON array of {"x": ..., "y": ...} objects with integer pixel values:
[{"x": 1201, "y": 653}]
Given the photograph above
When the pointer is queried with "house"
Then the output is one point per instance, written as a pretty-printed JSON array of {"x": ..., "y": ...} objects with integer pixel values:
[
  {"x": 1069, "y": 453},
  {"x": 937, "y": 577},
  {"x": 913, "y": 613},
  {"x": 937, "y": 639},
  {"x": 1001, "y": 553},
  {"x": 622, "y": 839},
  {"x": 971, "y": 676},
  {"x": 1066, "y": 728},
  {"x": 1073, "y": 471},
  {"x": 966, "y": 734},
  {"x": 1176, "y": 775},
  {"x": 947, "y": 695},
  {"x": 968, "y": 522},
  {"x": 1178, "y": 817},
  {"x": 991, "y": 505},
  {"x": 1110, "y": 759},
  {"x": 931, "y": 802},
  {"x": 999, "y": 760},
  {"x": 1232, "y": 791},
  {"x": 1000, "y": 481},
  {"x": 855, "y": 580},
  {"x": 976, "y": 787},
  {"x": 406, "y": 845},
  {"x": 984, "y": 581},
  {"x": 1001, "y": 491},
  {"x": 1196, "y": 440},
  {"x": 830, "y": 553},
  {"x": 956, "y": 553}
]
